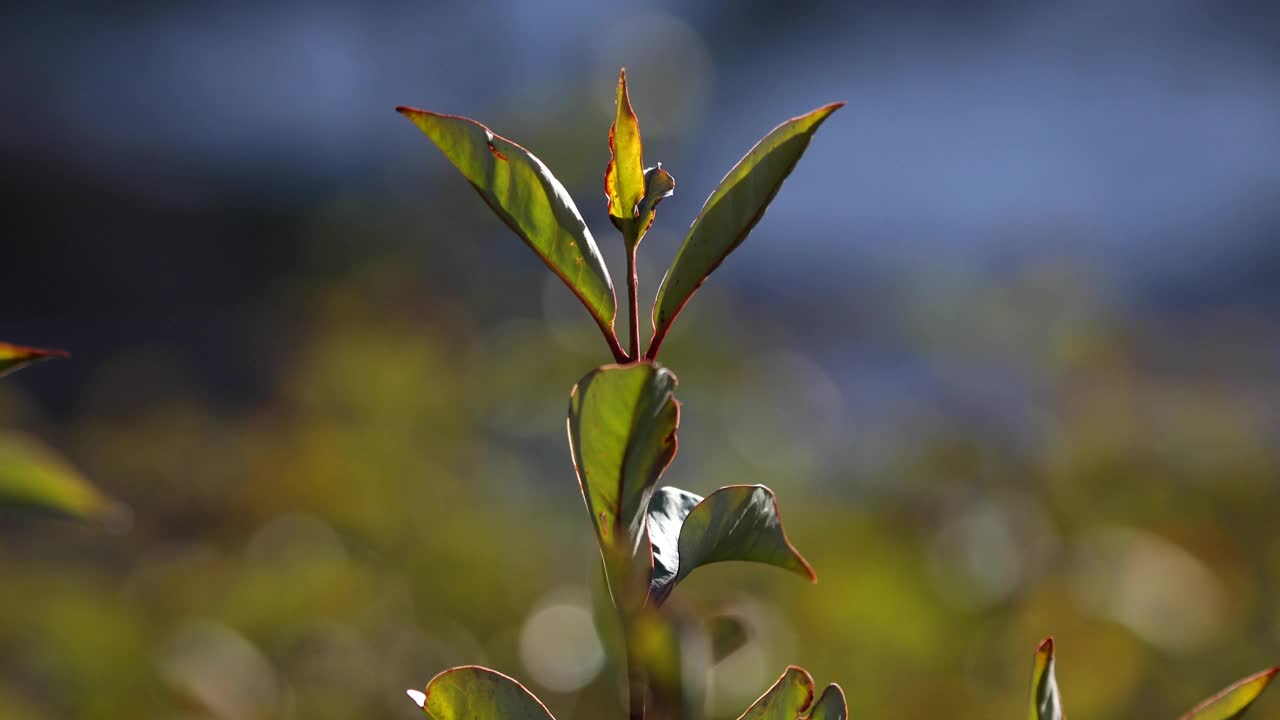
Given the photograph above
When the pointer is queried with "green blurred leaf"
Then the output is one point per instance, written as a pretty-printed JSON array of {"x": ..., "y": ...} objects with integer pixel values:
[
  {"x": 727, "y": 633},
  {"x": 476, "y": 693},
  {"x": 622, "y": 433},
  {"x": 33, "y": 474},
  {"x": 730, "y": 213},
  {"x": 791, "y": 696},
  {"x": 1046, "y": 703},
  {"x": 14, "y": 357},
  {"x": 532, "y": 202},
  {"x": 739, "y": 522},
  {"x": 1233, "y": 701}
]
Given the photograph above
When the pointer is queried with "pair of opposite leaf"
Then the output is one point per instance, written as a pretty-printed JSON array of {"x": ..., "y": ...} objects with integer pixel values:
[
  {"x": 476, "y": 693},
  {"x": 33, "y": 474},
  {"x": 1231, "y": 703},
  {"x": 521, "y": 191}
]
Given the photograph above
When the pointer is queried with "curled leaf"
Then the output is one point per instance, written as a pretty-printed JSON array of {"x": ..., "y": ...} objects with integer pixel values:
[
  {"x": 1046, "y": 703},
  {"x": 521, "y": 191},
  {"x": 624, "y": 178},
  {"x": 622, "y": 434},
  {"x": 1232, "y": 702},
  {"x": 472, "y": 692},
  {"x": 730, "y": 213},
  {"x": 14, "y": 357},
  {"x": 739, "y": 522}
]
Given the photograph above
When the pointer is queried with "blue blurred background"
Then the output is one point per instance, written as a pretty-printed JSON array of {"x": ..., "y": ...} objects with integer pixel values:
[{"x": 1006, "y": 345}]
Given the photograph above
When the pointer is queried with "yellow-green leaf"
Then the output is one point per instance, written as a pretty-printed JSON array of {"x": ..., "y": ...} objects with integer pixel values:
[
  {"x": 476, "y": 693},
  {"x": 1235, "y": 700},
  {"x": 521, "y": 191},
  {"x": 13, "y": 357},
  {"x": 624, "y": 177},
  {"x": 792, "y": 695},
  {"x": 739, "y": 522},
  {"x": 1046, "y": 703},
  {"x": 730, "y": 213},
  {"x": 622, "y": 434},
  {"x": 32, "y": 474}
]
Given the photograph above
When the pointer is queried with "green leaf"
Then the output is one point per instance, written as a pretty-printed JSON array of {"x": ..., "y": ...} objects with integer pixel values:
[
  {"x": 727, "y": 634},
  {"x": 791, "y": 696},
  {"x": 730, "y": 213},
  {"x": 1046, "y": 703},
  {"x": 31, "y": 474},
  {"x": 624, "y": 181},
  {"x": 476, "y": 693},
  {"x": 14, "y": 357},
  {"x": 1233, "y": 701},
  {"x": 622, "y": 434},
  {"x": 739, "y": 522},
  {"x": 520, "y": 189}
]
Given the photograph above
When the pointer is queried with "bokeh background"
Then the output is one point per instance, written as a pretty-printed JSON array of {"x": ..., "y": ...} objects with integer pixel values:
[{"x": 1006, "y": 346}]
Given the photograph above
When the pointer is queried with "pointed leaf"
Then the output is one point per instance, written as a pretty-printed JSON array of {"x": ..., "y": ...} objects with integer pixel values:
[
  {"x": 731, "y": 212},
  {"x": 13, "y": 357},
  {"x": 739, "y": 522},
  {"x": 624, "y": 177},
  {"x": 1046, "y": 703},
  {"x": 532, "y": 202},
  {"x": 476, "y": 693},
  {"x": 727, "y": 633},
  {"x": 622, "y": 434},
  {"x": 32, "y": 474},
  {"x": 1233, "y": 701},
  {"x": 789, "y": 697}
]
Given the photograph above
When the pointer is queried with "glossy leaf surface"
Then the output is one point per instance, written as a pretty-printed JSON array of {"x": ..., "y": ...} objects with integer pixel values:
[
  {"x": 531, "y": 201},
  {"x": 739, "y": 522},
  {"x": 730, "y": 213},
  {"x": 476, "y": 693},
  {"x": 14, "y": 357},
  {"x": 622, "y": 434},
  {"x": 1234, "y": 700},
  {"x": 791, "y": 696},
  {"x": 1046, "y": 703},
  {"x": 34, "y": 475}
]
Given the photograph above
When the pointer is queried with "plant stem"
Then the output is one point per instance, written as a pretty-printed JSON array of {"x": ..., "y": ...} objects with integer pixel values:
[
  {"x": 637, "y": 683},
  {"x": 633, "y": 292}
]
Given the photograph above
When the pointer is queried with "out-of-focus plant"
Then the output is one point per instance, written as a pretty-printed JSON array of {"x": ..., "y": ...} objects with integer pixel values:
[
  {"x": 31, "y": 473},
  {"x": 623, "y": 419}
]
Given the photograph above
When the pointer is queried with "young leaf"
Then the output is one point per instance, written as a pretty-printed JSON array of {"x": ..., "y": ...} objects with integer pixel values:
[
  {"x": 791, "y": 696},
  {"x": 1235, "y": 700},
  {"x": 34, "y": 475},
  {"x": 730, "y": 213},
  {"x": 531, "y": 201},
  {"x": 622, "y": 434},
  {"x": 1046, "y": 704},
  {"x": 624, "y": 183},
  {"x": 476, "y": 693},
  {"x": 13, "y": 357},
  {"x": 739, "y": 522}
]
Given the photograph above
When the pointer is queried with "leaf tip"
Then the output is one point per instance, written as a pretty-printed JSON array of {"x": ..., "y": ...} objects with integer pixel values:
[
  {"x": 1046, "y": 646},
  {"x": 418, "y": 697}
]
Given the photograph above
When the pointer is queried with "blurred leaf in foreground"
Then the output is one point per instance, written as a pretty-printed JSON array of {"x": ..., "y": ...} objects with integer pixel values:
[{"x": 32, "y": 474}]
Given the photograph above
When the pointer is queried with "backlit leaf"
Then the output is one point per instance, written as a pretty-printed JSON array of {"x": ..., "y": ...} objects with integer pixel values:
[
  {"x": 13, "y": 357},
  {"x": 624, "y": 177},
  {"x": 1233, "y": 701},
  {"x": 1046, "y": 703},
  {"x": 739, "y": 522},
  {"x": 622, "y": 434},
  {"x": 792, "y": 695},
  {"x": 476, "y": 693},
  {"x": 730, "y": 213},
  {"x": 532, "y": 202},
  {"x": 32, "y": 474}
]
